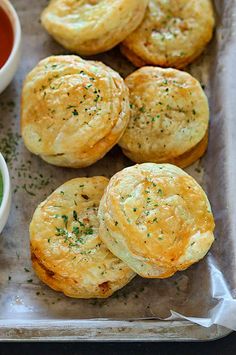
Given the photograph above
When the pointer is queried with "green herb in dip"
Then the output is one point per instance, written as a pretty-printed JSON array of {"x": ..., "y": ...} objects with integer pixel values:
[{"x": 1, "y": 189}]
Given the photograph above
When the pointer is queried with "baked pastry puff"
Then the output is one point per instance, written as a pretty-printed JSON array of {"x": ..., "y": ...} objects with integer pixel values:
[
  {"x": 169, "y": 117},
  {"x": 172, "y": 34},
  {"x": 67, "y": 252},
  {"x": 156, "y": 218},
  {"x": 92, "y": 26},
  {"x": 73, "y": 111}
]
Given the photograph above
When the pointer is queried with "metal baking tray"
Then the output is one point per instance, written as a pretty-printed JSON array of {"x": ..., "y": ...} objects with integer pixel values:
[{"x": 29, "y": 310}]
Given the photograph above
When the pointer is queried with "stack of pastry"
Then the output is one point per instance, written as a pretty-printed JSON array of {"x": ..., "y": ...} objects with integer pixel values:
[
  {"x": 153, "y": 220},
  {"x": 91, "y": 237}
]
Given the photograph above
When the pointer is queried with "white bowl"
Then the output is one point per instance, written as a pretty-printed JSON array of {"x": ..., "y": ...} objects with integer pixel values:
[
  {"x": 6, "y": 200},
  {"x": 8, "y": 70}
]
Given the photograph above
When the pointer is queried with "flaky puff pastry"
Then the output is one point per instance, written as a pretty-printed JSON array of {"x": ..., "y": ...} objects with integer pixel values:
[
  {"x": 73, "y": 111},
  {"x": 67, "y": 252},
  {"x": 156, "y": 218},
  {"x": 169, "y": 117},
  {"x": 172, "y": 34},
  {"x": 92, "y": 26}
]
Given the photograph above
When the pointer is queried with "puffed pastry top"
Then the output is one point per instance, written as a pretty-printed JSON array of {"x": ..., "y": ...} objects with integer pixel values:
[
  {"x": 67, "y": 252},
  {"x": 73, "y": 111},
  {"x": 169, "y": 117},
  {"x": 172, "y": 34},
  {"x": 156, "y": 218},
  {"x": 92, "y": 26}
]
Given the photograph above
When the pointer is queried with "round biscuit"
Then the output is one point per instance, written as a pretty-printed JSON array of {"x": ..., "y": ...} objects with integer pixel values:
[
  {"x": 67, "y": 252},
  {"x": 156, "y": 218},
  {"x": 169, "y": 117},
  {"x": 92, "y": 26},
  {"x": 172, "y": 34},
  {"x": 73, "y": 111}
]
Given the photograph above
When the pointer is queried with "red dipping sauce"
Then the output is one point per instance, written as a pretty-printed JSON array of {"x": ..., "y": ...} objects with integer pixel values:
[{"x": 6, "y": 37}]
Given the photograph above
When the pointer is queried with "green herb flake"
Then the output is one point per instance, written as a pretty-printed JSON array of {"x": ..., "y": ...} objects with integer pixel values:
[
  {"x": 65, "y": 219},
  {"x": 61, "y": 232},
  {"x": 75, "y": 231},
  {"x": 80, "y": 223},
  {"x": 88, "y": 231},
  {"x": 75, "y": 215},
  {"x": 75, "y": 112},
  {"x": 142, "y": 109}
]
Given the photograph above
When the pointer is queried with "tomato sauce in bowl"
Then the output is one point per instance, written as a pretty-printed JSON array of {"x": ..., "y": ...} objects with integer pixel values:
[{"x": 6, "y": 37}]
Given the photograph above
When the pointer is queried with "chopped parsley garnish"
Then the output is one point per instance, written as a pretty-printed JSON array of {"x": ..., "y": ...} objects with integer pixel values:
[
  {"x": 75, "y": 112},
  {"x": 75, "y": 215},
  {"x": 142, "y": 109},
  {"x": 80, "y": 223},
  {"x": 61, "y": 232},
  {"x": 88, "y": 231},
  {"x": 76, "y": 231},
  {"x": 65, "y": 219},
  {"x": 96, "y": 98}
]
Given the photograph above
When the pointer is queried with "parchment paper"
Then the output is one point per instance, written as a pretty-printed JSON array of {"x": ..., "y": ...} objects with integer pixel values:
[{"x": 205, "y": 293}]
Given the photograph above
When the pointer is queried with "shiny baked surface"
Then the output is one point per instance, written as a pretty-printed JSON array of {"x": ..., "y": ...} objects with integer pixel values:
[
  {"x": 169, "y": 117},
  {"x": 172, "y": 34},
  {"x": 92, "y": 26},
  {"x": 73, "y": 111},
  {"x": 156, "y": 218},
  {"x": 67, "y": 252}
]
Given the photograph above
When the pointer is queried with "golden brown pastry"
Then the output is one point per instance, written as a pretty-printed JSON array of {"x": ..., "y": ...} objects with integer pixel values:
[
  {"x": 156, "y": 218},
  {"x": 172, "y": 34},
  {"x": 92, "y": 26},
  {"x": 73, "y": 111},
  {"x": 67, "y": 252},
  {"x": 169, "y": 117}
]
